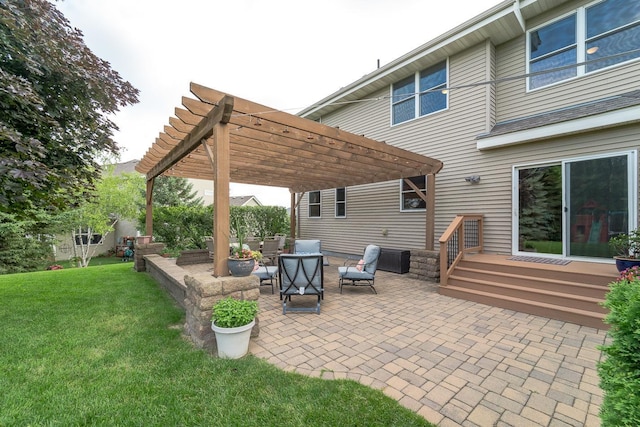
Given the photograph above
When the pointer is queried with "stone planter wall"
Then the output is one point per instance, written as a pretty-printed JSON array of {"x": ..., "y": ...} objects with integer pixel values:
[
  {"x": 194, "y": 256},
  {"x": 140, "y": 250},
  {"x": 425, "y": 265},
  {"x": 203, "y": 291}
]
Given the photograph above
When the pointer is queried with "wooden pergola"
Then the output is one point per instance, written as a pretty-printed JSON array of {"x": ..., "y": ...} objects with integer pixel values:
[{"x": 227, "y": 139}]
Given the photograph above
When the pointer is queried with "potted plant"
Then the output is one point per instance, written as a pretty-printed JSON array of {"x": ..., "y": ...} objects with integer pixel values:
[
  {"x": 232, "y": 320},
  {"x": 242, "y": 260},
  {"x": 627, "y": 249}
]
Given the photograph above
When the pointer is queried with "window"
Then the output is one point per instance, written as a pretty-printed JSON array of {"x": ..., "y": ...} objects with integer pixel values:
[
  {"x": 406, "y": 104},
  {"x": 410, "y": 200},
  {"x": 602, "y": 35},
  {"x": 83, "y": 238},
  {"x": 341, "y": 202},
  {"x": 314, "y": 204}
]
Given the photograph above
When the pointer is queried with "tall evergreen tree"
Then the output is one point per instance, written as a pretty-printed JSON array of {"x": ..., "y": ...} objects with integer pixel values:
[{"x": 174, "y": 191}]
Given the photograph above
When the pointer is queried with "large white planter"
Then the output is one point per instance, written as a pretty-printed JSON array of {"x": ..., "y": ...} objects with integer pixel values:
[{"x": 233, "y": 343}]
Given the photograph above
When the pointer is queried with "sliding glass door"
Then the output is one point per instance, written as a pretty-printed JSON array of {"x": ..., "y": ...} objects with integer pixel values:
[
  {"x": 573, "y": 207},
  {"x": 597, "y": 193}
]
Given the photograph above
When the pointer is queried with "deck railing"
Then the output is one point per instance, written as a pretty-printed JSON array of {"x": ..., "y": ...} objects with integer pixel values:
[{"x": 463, "y": 235}]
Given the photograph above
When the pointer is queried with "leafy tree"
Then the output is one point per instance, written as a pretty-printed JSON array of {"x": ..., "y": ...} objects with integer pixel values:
[
  {"x": 24, "y": 246},
  {"x": 174, "y": 191},
  {"x": 116, "y": 198},
  {"x": 55, "y": 99}
]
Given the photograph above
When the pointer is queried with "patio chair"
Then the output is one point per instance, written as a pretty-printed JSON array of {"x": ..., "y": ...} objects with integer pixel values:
[
  {"x": 301, "y": 246},
  {"x": 253, "y": 244},
  {"x": 282, "y": 239},
  {"x": 270, "y": 251},
  {"x": 209, "y": 241},
  {"x": 307, "y": 247},
  {"x": 363, "y": 273},
  {"x": 266, "y": 275},
  {"x": 300, "y": 275}
]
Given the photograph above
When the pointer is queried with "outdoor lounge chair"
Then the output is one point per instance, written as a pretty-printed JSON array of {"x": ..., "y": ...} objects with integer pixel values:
[
  {"x": 300, "y": 275},
  {"x": 266, "y": 275},
  {"x": 363, "y": 273}
]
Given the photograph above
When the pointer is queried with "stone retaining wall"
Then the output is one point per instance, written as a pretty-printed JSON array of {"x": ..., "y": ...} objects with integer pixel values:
[
  {"x": 194, "y": 256},
  {"x": 203, "y": 291},
  {"x": 168, "y": 275},
  {"x": 425, "y": 265}
]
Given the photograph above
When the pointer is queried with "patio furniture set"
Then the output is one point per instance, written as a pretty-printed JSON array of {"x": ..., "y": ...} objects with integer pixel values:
[{"x": 302, "y": 273}]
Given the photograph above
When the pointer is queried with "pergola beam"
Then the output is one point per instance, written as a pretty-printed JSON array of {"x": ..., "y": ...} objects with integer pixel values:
[{"x": 221, "y": 113}]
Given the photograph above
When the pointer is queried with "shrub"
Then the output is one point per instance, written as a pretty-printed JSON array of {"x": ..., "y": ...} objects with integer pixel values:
[{"x": 620, "y": 370}]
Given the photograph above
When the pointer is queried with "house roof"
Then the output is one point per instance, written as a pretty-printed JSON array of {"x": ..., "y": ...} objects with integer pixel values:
[
  {"x": 588, "y": 109},
  {"x": 125, "y": 167},
  {"x": 273, "y": 148},
  {"x": 242, "y": 200}
]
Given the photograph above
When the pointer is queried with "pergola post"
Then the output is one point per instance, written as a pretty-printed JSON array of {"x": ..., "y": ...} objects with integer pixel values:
[
  {"x": 149, "y": 208},
  {"x": 292, "y": 216},
  {"x": 431, "y": 212},
  {"x": 221, "y": 208}
]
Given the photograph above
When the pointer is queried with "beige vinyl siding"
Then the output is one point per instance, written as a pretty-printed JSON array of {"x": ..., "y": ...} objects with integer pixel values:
[
  {"x": 450, "y": 136},
  {"x": 513, "y": 101},
  {"x": 446, "y": 135}
]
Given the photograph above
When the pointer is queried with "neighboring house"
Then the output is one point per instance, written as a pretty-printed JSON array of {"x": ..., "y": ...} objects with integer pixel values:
[
  {"x": 542, "y": 155},
  {"x": 244, "y": 201}
]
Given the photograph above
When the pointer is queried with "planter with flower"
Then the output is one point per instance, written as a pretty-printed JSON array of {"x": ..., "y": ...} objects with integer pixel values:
[
  {"x": 627, "y": 249},
  {"x": 242, "y": 260}
]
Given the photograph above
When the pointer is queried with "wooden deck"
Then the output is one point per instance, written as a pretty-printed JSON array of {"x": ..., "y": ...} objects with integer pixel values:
[{"x": 571, "y": 292}]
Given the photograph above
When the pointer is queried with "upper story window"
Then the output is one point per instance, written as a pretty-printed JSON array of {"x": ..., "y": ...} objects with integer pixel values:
[
  {"x": 314, "y": 204},
  {"x": 407, "y": 103},
  {"x": 409, "y": 198},
  {"x": 341, "y": 202},
  {"x": 602, "y": 34}
]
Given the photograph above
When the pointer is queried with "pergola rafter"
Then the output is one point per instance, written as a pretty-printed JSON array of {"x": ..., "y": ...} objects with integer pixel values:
[{"x": 255, "y": 144}]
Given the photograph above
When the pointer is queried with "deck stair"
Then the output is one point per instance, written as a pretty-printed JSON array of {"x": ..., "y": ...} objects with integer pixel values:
[{"x": 570, "y": 293}]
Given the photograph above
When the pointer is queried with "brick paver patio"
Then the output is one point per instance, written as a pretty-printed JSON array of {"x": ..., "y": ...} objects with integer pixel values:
[{"x": 452, "y": 361}]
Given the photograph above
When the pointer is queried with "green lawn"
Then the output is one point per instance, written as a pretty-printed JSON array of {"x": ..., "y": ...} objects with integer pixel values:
[
  {"x": 95, "y": 261},
  {"x": 103, "y": 346}
]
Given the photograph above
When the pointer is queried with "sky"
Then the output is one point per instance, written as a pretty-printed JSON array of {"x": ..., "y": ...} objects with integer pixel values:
[{"x": 285, "y": 54}]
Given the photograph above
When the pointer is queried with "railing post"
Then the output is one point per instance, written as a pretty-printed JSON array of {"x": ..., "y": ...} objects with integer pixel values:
[{"x": 444, "y": 264}]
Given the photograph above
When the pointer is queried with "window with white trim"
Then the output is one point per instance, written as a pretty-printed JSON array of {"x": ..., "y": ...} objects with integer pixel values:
[
  {"x": 597, "y": 36},
  {"x": 314, "y": 204},
  {"x": 409, "y": 198},
  {"x": 341, "y": 202},
  {"x": 407, "y": 103}
]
